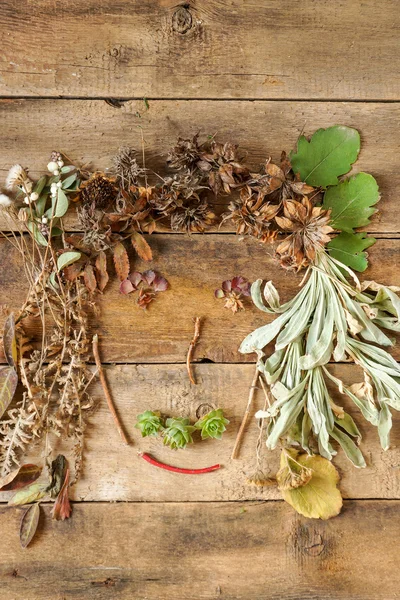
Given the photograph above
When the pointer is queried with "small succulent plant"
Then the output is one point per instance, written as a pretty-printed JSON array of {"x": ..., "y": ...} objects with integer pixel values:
[
  {"x": 178, "y": 433},
  {"x": 149, "y": 423},
  {"x": 212, "y": 425}
]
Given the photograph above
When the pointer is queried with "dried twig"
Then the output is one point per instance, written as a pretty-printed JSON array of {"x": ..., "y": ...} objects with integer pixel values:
[
  {"x": 192, "y": 345},
  {"x": 238, "y": 441},
  {"x": 106, "y": 390}
]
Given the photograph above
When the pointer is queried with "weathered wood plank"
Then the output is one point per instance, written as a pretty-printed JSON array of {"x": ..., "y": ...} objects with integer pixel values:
[
  {"x": 93, "y": 131},
  {"x": 262, "y": 551},
  {"x": 114, "y": 472},
  {"x": 210, "y": 49},
  {"x": 195, "y": 267}
]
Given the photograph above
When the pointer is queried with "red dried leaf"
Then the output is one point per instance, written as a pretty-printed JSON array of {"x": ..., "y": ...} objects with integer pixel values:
[
  {"x": 227, "y": 285},
  {"x": 135, "y": 278},
  {"x": 241, "y": 285},
  {"x": 126, "y": 287},
  {"x": 149, "y": 276},
  {"x": 25, "y": 475},
  {"x": 101, "y": 271},
  {"x": 145, "y": 298},
  {"x": 62, "y": 508},
  {"x": 141, "y": 246},
  {"x": 160, "y": 284},
  {"x": 121, "y": 261},
  {"x": 89, "y": 278}
]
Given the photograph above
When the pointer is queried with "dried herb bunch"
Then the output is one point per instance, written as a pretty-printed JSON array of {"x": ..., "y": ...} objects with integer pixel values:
[
  {"x": 55, "y": 376},
  {"x": 333, "y": 317}
]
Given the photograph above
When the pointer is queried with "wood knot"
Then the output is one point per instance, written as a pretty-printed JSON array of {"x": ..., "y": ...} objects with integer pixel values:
[
  {"x": 309, "y": 542},
  {"x": 182, "y": 20},
  {"x": 203, "y": 409}
]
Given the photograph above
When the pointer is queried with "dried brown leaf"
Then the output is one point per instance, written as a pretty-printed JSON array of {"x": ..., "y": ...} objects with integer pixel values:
[
  {"x": 72, "y": 272},
  {"x": 34, "y": 492},
  {"x": 62, "y": 508},
  {"x": 29, "y": 523},
  {"x": 8, "y": 385},
  {"x": 20, "y": 478},
  {"x": 58, "y": 470},
  {"x": 90, "y": 278},
  {"x": 141, "y": 246},
  {"x": 101, "y": 271},
  {"x": 121, "y": 261},
  {"x": 9, "y": 341}
]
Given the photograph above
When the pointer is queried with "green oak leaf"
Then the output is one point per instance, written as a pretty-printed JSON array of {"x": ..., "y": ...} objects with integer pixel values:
[
  {"x": 348, "y": 249},
  {"x": 329, "y": 154},
  {"x": 351, "y": 202}
]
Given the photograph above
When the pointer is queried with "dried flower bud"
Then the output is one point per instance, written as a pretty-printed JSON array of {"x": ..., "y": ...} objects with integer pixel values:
[{"x": 22, "y": 215}]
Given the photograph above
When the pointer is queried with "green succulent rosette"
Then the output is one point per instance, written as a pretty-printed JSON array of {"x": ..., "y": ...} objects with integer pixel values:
[
  {"x": 149, "y": 423},
  {"x": 212, "y": 425},
  {"x": 178, "y": 433}
]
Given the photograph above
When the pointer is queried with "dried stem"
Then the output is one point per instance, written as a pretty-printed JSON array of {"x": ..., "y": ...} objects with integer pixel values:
[
  {"x": 106, "y": 390},
  {"x": 192, "y": 345},
  {"x": 238, "y": 441}
]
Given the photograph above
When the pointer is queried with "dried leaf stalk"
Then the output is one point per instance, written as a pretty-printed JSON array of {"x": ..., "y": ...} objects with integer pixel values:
[
  {"x": 192, "y": 345},
  {"x": 106, "y": 390}
]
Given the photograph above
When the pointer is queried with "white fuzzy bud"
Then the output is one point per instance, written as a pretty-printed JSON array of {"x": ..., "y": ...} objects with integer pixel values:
[
  {"x": 56, "y": 172},
  {"x": 34, "y": 196},
  {"x": 26, "y": 200},
  {"x": 59, "y": 184},
  {"x": 52, "y": 166},
  {"x": 60, "y": 163},
  {"x": 44, "y": 220},
  {"x": 5, "y": 201}
]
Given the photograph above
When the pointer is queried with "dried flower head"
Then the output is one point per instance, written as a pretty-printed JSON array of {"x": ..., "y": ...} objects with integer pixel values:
[
  {"x": 18, "y": 177},
  {"x": 195, "y": 217},
  {"x": 260, "y": 479},
  {"x": 98, "y": 191},
  {"x": 253, "y": 215},
  {"x": 233, "y": 291},
  {"x": 126, "y": 167},
  {"x": 223, "y": 164},
  {"x": 185, "y": 154},
  {"x": 292, "y": 474},
  {"x": 308, "y": 227}
]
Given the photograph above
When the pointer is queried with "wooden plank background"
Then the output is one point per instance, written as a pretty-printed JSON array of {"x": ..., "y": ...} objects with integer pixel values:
[{"x": 73, "y": 77}]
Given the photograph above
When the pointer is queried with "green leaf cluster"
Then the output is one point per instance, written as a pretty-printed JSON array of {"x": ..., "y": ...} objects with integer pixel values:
[{"x": 320, "y": 161}]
